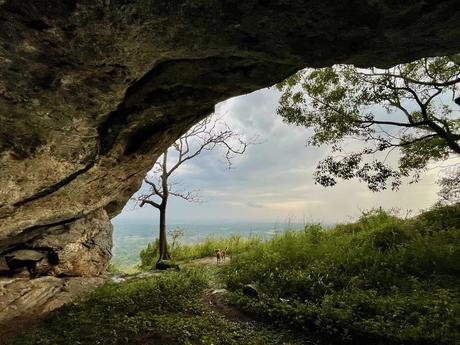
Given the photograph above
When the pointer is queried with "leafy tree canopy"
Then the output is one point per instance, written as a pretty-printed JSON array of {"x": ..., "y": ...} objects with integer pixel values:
[
  {"x": 449, "y": 185},
  {"x": 410, "y": 108}
]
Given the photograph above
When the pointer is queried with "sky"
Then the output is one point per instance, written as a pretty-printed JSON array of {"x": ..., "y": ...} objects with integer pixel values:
[{"x": 273, "y": 180}]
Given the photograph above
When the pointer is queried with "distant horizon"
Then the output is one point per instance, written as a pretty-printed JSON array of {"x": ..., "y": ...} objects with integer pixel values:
[
  {"x": 154, "y": 225},
  {"x": 153, "y": 218},
  {"x": 273, "y": 181},
  {"x": 134, "y": 220},
  {"x": 130, "y": 236}
]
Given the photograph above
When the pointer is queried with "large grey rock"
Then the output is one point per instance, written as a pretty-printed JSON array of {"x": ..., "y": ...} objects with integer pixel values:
[
  {"x": 81, "y": 248},
  {"x": 92, "y": 91},
  {"x": 32, "y": 298}
]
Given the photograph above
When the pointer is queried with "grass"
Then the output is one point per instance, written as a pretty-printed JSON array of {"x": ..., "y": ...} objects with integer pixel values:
[
  {"x": 162, "y": 310},
  {"x": 115, "y": 313},
  {"x": 381, "y": 280},
  {"x": 206, "y": 248}
]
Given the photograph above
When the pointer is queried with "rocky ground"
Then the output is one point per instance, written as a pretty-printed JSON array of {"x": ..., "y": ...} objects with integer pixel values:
[
  {"x": 30, "y": 299},
  {"x": 24, "y": 301}
]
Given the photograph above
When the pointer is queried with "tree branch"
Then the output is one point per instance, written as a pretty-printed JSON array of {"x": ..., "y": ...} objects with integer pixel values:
[
  {"x": 392, "y": 123},
  {"x": 188, "y": 196},
  {"x": 154, "y": 187},
  {"x": 414, "y": 81},
  {"x": 150, "y": 202}
]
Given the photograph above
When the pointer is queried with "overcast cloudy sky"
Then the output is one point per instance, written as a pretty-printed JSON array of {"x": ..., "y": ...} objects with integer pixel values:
[{"x": 273, "y": 181}]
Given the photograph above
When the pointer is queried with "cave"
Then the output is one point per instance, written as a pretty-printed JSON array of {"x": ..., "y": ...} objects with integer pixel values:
[{"x": 91, "y": 92}]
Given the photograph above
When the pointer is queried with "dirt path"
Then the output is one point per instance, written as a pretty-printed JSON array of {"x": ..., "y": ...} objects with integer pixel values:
[
  {"x": 215, "y": 301},
  {"x": 214, "y": 297},
  {"x": 210, "y": 261}
]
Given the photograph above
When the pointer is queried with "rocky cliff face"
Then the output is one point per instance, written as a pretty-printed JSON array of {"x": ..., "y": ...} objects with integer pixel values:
[
  {"x": 92, "y": 91},
  {"x": 81, "y": 248}
]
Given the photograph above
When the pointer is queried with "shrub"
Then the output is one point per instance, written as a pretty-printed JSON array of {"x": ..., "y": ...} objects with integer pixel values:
[
  {"x": 165, "y": 309},
  {"x": 389, "y": 236},
  {"x": 439, "y": 218},
  {"x": 149, "y": 256},
  {"x": 379, "y": 280},
  {"x": 116, "y": 312},
  {"x": 235, "y": 244}
]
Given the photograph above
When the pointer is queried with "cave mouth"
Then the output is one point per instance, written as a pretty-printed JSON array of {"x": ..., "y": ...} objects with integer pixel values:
[
  {"x": 243, "y": 203},
  {"x": 92, "y": 93}
]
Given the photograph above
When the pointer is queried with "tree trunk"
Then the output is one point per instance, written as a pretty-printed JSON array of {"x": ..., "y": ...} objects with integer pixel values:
[{"x": 164, "y": 254}]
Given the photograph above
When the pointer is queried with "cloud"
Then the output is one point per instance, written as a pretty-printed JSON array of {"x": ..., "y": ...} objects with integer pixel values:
[
  {"x": 254, "y": 204},
  {"x": 274, "y": 179}
]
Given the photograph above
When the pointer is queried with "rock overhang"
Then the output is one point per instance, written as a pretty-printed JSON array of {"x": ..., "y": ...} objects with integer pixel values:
[{"x": 91, "y": 92}]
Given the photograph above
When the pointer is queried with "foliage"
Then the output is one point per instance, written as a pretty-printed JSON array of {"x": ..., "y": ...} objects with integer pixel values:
[
  {"x": 380, "y": 280},
  {"x": 149, "y": 255},
  {"x": 114, "y": 269},
  {"x": 175, "y": 234},
  {"x": 165, "y": 310},
  {"x": 449, "y": 184},
  {"x": 116, "y": 312},
  {"x": 344, "y": 103},
  {"x": 235, "y": 244},
  {"x": 438, "y": 218}
]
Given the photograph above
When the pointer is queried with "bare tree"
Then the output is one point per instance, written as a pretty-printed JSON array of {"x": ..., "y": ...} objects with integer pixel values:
[{"x": 207, "y": 135}]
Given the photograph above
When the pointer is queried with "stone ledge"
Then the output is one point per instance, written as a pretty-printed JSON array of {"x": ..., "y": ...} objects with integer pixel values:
[{"x": 33, "y": 298}]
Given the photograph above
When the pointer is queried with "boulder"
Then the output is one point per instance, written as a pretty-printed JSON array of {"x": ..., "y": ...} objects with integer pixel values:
[
  {"x": 82, "y": 248},
  {"x": 33, "y": 298}
]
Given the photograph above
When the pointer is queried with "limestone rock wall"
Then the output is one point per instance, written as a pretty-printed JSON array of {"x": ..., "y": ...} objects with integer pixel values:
[{"x": 92, "y": 91}]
